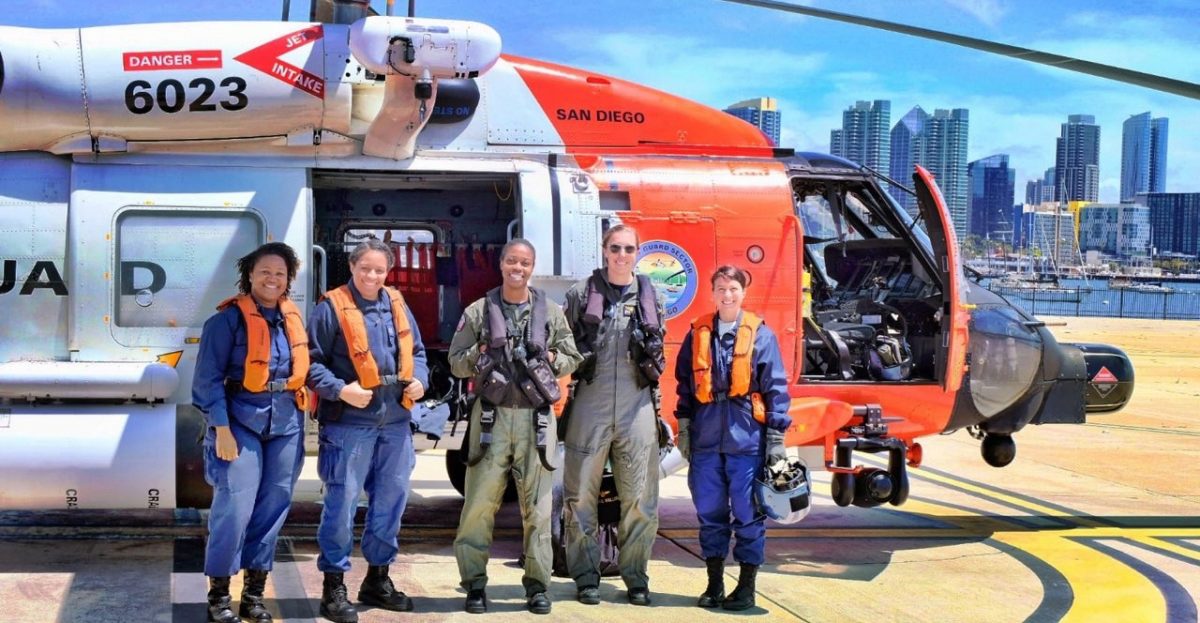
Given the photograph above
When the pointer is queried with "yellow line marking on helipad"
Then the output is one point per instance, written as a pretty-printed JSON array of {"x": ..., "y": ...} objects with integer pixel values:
[
  {"x": 994, "y": 495},
  {"x": 1167, "y": 546}
]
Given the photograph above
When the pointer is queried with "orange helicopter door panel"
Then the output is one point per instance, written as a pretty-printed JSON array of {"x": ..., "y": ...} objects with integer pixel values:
[
  {"x": 678, "y": 253},
  {"x": 950, "y": 362}
]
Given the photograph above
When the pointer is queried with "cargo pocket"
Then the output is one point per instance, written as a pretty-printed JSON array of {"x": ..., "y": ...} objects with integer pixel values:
[
  {"x": 216, "y": 471},
  {"x": 330, "y": 466}
]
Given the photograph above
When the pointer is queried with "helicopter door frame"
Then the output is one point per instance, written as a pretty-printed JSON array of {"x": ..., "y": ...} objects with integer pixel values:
[{"x": 950, "y": 362}]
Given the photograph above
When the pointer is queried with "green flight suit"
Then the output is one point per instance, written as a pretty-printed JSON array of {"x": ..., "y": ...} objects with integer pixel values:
[
  {"x": 513, "y": 448},
  {"x": 612, "y": 419}
]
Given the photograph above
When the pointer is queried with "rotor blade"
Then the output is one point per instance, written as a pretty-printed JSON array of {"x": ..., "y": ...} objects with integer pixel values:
[{"x": 1120, "y": 74}]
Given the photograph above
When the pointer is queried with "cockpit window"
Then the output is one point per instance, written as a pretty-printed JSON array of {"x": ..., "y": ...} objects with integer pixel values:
[{"x": 826, "y": 223}]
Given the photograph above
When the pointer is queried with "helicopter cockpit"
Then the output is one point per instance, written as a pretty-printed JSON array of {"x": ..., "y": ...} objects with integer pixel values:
[{"x": 874, "y": 307}]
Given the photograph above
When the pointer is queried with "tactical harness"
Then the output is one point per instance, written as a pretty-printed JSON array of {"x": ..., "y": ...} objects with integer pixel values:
[
  {"x": 646, "y": 345},
  {"x": 354, "y": 329},
  {"x": 514, "y": 373},
  {"x": 741, "y": 369},
  {"x": 256, "y": 377}
]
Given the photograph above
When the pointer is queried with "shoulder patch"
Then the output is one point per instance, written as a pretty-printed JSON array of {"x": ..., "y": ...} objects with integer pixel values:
[{"x": 462, "y": 322}]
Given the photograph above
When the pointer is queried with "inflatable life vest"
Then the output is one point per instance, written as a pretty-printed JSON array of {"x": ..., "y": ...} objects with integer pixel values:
[
  {"x": 354, "y": 328},
  {"x": 258, "y": 346},
  {"x": 740, "y": 370}
]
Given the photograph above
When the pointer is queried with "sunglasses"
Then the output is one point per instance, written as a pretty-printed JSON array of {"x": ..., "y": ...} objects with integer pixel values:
[{"x": 616, "y": 248}]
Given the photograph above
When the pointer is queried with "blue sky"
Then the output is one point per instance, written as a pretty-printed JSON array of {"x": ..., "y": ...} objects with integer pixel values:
[{"x": 717, "y": 53}]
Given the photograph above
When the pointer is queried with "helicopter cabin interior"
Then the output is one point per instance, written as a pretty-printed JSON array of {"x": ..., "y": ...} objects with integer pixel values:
[
  {"x": 445, "y": 231},
  {"x": 873, "y": 310}
]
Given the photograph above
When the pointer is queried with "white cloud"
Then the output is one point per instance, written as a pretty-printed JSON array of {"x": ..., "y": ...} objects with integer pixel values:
[{"x": 987, "y": 11}]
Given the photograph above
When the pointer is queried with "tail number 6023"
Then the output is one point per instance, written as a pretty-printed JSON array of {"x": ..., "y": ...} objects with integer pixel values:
[{"x": 170, "y": 96}]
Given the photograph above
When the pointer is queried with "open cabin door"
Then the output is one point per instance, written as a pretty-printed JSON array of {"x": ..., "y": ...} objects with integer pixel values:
[{"x": 950, "y": 362}]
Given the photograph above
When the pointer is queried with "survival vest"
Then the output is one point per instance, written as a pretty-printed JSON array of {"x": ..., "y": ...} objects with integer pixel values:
[
  {"x": 354, "y": 328},
  {"x": 741, "y": 368},
  {"x": 535, "y": 380},
  {"x": 515, "y": 375},
  {"x": 258, "y": 347},
  {"x": 646, "y": 343}
]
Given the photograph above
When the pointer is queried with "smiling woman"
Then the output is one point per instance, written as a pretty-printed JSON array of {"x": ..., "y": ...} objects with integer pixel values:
[{"x": 249, "y": 383}]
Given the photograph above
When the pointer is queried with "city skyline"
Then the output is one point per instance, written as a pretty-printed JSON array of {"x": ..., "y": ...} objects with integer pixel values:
[{"x": 716, "y": 52}]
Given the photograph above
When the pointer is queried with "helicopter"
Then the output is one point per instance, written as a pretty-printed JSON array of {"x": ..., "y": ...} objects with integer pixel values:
[{"x": 137, "y": 162}]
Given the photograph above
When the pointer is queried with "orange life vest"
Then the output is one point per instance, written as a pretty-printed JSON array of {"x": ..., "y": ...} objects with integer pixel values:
[
  {"x": 258, "y": 346},
  {"x": 740, "y": 370},
  {"x": 354, "y": 328}
]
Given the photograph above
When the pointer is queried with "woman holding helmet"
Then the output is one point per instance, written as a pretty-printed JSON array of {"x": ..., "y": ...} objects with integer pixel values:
[{"x": 732, "y": 412}]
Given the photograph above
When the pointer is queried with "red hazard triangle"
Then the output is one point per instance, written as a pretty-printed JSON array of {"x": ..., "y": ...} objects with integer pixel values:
[
  {"x": 1104, "y": 376},
  {"x": 265, "y": 58}
]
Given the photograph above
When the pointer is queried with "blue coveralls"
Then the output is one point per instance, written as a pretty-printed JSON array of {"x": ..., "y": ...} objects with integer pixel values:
[
  {"x": 252, "y": 493},
  {"x": 369, "y": 448},
  {"x": 728, "y": 445}
]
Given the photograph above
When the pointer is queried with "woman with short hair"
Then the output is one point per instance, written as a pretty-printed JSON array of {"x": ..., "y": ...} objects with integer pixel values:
[
  {"x": 369, "y": 368},
  {"x": 249, "y": 383}
]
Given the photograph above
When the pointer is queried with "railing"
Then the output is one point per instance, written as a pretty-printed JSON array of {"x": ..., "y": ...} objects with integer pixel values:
[{"x": 1176, "y": 304}]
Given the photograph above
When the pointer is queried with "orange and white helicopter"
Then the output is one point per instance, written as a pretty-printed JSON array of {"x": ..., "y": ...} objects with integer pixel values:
[{"x": 137, "y": 162}]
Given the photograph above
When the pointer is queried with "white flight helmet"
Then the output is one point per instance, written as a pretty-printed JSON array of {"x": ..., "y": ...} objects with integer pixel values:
[{"x": 783, "y": 494}]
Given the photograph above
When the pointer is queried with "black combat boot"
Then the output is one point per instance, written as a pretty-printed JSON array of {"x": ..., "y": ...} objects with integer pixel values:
[
  {"x": 742, "y": 597},
  {"x": 714, "y": 594},
  {"x": 335, "y": 605},
  {"x": 220, "y": 606},
  {"x": 476, "y": 601},
  {"x": 377, "y": 590},
  {"x": 253, "y": 585}
]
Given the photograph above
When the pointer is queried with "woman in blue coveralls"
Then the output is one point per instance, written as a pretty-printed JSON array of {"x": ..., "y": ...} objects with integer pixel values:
[
  {"x": 249, "y": 377},
  {"x": 366, "y": 435},
  {"x": 732, "y": 413}
]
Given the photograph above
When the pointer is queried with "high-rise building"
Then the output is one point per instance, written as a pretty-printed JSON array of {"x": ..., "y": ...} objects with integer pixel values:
[
  {"x": 1174, "y": 222},
  {"x": 945, "y": 155},
  {"x": 937, "y": 142},
  {"x": 760, "y": 112},
  {"x": 1077, "y": 160},
  {"x": 992, "y": 185},
  {"x": 863, "y": 137},
  {"x": 1041, "y": 190},
  {"x": 906, "y": 146},
  {"x": 1120, "y": 230},
  {"x": 1143, "y": 156}
]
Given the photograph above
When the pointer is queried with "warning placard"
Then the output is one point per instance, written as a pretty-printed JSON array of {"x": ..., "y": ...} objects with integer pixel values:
[
  {"x": 1104, "y": 376},
  {"x": 266, "y": 58},
  {"x": 171, "y": 59},
  {"x": 1104, "y": 381}
]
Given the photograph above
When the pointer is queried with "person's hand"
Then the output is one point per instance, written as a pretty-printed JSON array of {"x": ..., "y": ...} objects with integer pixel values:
[
  {"x": 414, "y": 390},
  {"x": 551, "y": 356},
  {"x": 683, "y": 439},
  {"x": 226, "y": 445},
  {"x": 776, "y": 451},
  {"x": 354, "y": 395}
]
